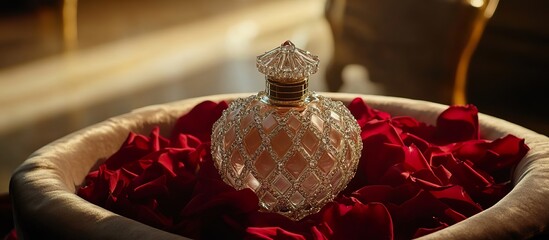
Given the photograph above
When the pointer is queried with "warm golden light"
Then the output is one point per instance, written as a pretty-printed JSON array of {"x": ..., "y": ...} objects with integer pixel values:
[
  {"x": 476, "y": 3},
  {"x": 459, "y": 93},
  {"x": 70, "y": 27}
]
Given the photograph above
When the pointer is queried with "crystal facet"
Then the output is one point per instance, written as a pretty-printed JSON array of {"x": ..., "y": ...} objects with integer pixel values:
[
  {"x": 281, "y": 142},
  {"x": 281, "y": 184},
  {"x": 296, "y": 152},
  {"x": 237, "y": 162},
  {"x": 310, "y": 142},
  {"x": 252, "y": 141},
  {"x": 296, "y": 164},
  {"x": 287, "y": 62},
  {"x": 310, "y": 183},
  {"x": 264, "y": 164}
]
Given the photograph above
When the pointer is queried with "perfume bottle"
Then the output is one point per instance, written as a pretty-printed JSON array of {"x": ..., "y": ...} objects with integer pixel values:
[{"x": 296, "y": 149}]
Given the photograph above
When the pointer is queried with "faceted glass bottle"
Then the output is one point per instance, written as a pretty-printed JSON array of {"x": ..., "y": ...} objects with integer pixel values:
[{"x": 297, "y": 150}]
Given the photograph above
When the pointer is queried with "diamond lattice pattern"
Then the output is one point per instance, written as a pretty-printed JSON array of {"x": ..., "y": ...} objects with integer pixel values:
[{"x": 295, "y": 160}]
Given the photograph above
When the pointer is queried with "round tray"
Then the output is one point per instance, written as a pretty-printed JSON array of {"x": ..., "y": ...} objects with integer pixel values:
[{"x": 46, "y": 206}]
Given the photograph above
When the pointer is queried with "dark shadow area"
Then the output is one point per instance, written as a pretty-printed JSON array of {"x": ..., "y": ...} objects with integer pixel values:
[
  {"x": 6, "y": 218},
  {"x": 508, "y": 75}
]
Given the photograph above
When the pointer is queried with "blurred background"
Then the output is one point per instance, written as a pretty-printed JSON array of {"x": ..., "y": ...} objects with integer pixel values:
[{"x": 67, "y": 64}]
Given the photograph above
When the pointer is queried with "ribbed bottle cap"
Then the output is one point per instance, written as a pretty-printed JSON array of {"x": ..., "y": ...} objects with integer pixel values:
[{"x": 287, "y": 64}]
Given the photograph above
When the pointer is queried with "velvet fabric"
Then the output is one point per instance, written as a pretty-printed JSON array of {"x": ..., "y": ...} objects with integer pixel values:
[{"x": 45, "y": 205}]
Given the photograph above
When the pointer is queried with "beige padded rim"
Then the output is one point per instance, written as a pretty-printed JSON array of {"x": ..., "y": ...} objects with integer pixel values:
[{"x": 45, "y": 205}]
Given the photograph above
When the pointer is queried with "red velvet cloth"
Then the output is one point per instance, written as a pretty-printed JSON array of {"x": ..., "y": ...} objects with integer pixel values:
[{"x": 412, "y": 179}]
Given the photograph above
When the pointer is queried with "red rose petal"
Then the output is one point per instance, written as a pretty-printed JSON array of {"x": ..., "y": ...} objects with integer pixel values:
[
  {"x": 359, "y": 221},
  {"x": 386, "y": 194},
  {"x": 496, "y": 157},
  {"x": 141, "y": 212},
  {"x": 413, "y": 158},
  {"x": 420, "y": 177},
  {"x": 12, "y": 235},
  {"x": 135, "y": 147},
  {"x": 157, "y": 142},
  {"x": 364, "y": 113},
  {"x": 199, "y": 121},
  {"x": 510, "y": 150},
  {"x": 170, "y": 164},
  {"x": 474, "y": 150},
  {"x": 457, "y": 124},
  {"x": 442, "y": 174},
  {"x": 214, "y": 197},
  {"x": 414, "y": 127},
  {"x": 318, "y": 234},
  {"x": 396, "y": 176},
  {"x": 381, "y": 132},
  {"x": 422, "y": 210},
  {"x": 424, "y": 231},
  {"x": 410, "y": 139},
  {"x": 374, "y": 193},
  {"x": 271, "y": 233},
  {"x": 464, "y": 174},
  {"x": 426, "y": 178},
  {"x": 457, "y": 199},
  {"x": 488, "y": 196},
  {"x": 267, "y": 219},
  {"x": 186, "y": 141},
  {"x": 154, "y": 188}
]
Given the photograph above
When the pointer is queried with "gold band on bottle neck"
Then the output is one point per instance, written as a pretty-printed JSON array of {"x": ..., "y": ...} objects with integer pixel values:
[{"x": 289, "y": 93}]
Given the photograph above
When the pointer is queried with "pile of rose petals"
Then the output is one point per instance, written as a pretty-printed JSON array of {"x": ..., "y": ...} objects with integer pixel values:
[{"x": 412, "y": 179}]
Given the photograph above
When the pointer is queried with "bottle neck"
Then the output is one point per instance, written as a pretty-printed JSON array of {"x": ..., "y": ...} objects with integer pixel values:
[{"x": 281, "y": 93}]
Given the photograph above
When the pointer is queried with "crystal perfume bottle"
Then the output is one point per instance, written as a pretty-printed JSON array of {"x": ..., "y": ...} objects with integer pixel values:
[{"x": 296, "y": 149}]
